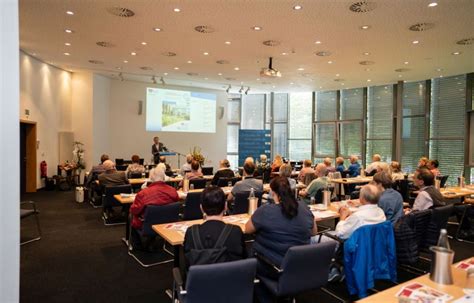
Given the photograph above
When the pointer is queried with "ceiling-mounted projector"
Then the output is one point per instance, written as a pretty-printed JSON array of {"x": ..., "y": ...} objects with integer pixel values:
[{"x": 270, "y": 71}]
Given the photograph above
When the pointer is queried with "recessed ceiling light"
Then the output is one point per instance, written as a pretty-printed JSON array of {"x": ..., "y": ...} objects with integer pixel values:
[
  {"x": 176, "y": 68},
  {"x": 368, "y": 80},
  {"x": 219, "y": 74},
  {"x": 125, "y": 61},
  {"x": 330, "y": 62},
  {"x": 118, "y": 67},
  {"x": 291, "y": 83},
  {"x": 318, "y": 42},
  {"x": 206, "y": 78},
  {"x": 416, "y": 42},
  {"x": 366, "y": 53},
  {"x": 399, "y": 76},
  {"x": 166, "y": 74},
  {"x": 456, "y": 53},
  {"x": 67, "y": 44},
  {"x": 273, "y": 86},
  {"x": 69, "y": 31},
  {"x": 227, "y": 42},
  {"x": 176, "y": 10},
  {"x": 297, "y": 7},
  {"x": 236, "y": 68},
  {"x": 67, "y": 54},
  {"x": 205, "y": 53},
  {"x": 189, "y": 61},
  {"x": 337, "y": 75},
  {"x": 365, "y": 27},
  {"x": 301, "y": 68},
  {"x": 258, "y": 79},
  {"x": 406, "y": 62},
  {"x": 439, "y": 69},
  {"x": 342, "y": 84},
  {"x": 441, "y": 76},
  {"x": 144, "y": 43},
  {"x": 257, "y": 28},
  {"x": 157, "y": 29},
  {"x": 70, "y": 13},
  {"x": 432, "y": 4},
  {"x": 367, "y": 69},
  {"x": 284, "y": 54},
  {"x": 133, "y": 53}
]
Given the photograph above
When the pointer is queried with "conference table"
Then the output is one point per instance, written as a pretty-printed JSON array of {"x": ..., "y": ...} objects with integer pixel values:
[
  {"x": 455, "y": 290},
  {"x": 456, "y": 192},
  {"x": 353, "y": 180}
]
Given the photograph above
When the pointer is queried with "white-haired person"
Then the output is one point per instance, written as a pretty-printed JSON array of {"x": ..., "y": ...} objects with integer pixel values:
[
  {"x": 186, "y": 166},
  {"x": 224, "y": 171},
  {"x": 329, "y": 168},
  {"x": 111, "y": 177},
  {"x": 306, "y": 170},
  {"x": 354, "y": 167},
  {"x": 372, "y": 168}
]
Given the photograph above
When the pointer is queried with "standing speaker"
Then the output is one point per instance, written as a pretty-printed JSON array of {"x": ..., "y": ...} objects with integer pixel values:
[{"x": 140, "y": 107}]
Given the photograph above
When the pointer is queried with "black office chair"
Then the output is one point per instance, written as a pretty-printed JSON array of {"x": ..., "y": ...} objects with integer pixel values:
[
  {"x": 94, "y": 192},
  {"x": 109, "y": 202},
  {"x": 241, "y": 202},
  {"x": 25, "y": 213},
  {"x": 135, "y": 175},
  {"x": 228, "y": 282},
  {"x": 122, "y": 167},
  {"x": 141, "y": 161},
  {"x": 223, "y": 182},
  {"x": 119, "y": 161},
  {"x": 198, "y": 183},
  {"x": 304, "y": 268},
  {"x": 402, "y": 186},
  {"x": 192, "y": 209},
  {"x": 207, "y": 171},
  {"x": 154, "y": 214},
  {"x": 442, "y": 180},
  {"x": 439, "y": 220}
]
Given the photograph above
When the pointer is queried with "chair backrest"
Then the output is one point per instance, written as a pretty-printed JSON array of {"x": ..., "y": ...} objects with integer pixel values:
[
  {"x": 207, "y": 171},
  {"x": 223, "y": 182},
  {"x": 121, "y": 167},
  {"x": 192, "y": 209},
  {"x": 198, "y": 183},
  {"x": 305, "y": 267},
  {"x": 439, "y": 220},
  {"x": 230, "y": 282},
  {"x": 135, "y": 175},
  {"x": 241, "y": 202},
  {"x": 442, "y": 180},
  {"x": 159, "y": 214},
  {"x": 421, "y": 219},
  {"x": 110, "y": 191},
  {"x": 119, "y": 161},
  {"x": 141, "y": 161},
  {"x": 402, "y": 186}
]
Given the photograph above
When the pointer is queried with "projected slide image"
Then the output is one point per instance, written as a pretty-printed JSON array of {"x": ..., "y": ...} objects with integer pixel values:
[{"x": 175, "y": 113}]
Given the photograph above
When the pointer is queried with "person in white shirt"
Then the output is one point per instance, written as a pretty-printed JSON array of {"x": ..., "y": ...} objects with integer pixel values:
[
  {"x": 367, "y": 213},
  {"x": 374, "y": 165},
  {"x": 187, "y": 166},
  {"x": 397, "y": 173}
]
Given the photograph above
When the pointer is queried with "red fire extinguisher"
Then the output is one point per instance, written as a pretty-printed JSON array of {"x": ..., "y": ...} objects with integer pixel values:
[{"x": 44, "y": 169}]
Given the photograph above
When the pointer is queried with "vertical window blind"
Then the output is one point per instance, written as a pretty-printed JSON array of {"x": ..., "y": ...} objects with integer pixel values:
[
  {"x": 350, "y": 132},
  {"x": 299, "y": 137},
  {"x": 280, "y": 125}
]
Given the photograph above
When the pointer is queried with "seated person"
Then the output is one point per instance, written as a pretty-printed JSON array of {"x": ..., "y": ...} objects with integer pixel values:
[
  {"x": 320, "y": 182},
  {"x": 329, "y": 168},
  {"x": 111, "y": 176},
  {"x": 397, "y": 173},
  {"x": 372, "y": 168},
  {"x": 423, "y": 162},
  {"x": 135, "y": 167},
  {"x": 433, "y": 167},
  {"x": 97, "y": 169},
  {"x": 368, "y": 213},
  {"x": 391, "y": 201},
  {"x": 224, "y": 171},
  {"x": 247, "y": 183},
  {"x": 195, "y": 172},
  {"x": 340, "y": 165},
  {"x": 428, "y": 196},
  {"x": 308, "y": 178},
  {"x": 354, "y": 167},
  {"x": 186, "y": 166},
  {"x": 156, "y": 193},
  {"x": 213, "y": 206},
  {"x": 307, "y": 169},
  {"x": 165, "y": 166},
  {"x": 280, "y": 225},
  {"x": 277, "y": 162},
  {"x": 263, "y": 166},
  {"x": 285, "y": 171}
]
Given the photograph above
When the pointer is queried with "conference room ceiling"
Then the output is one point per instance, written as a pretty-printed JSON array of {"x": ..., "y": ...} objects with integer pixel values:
[{"x": 212, "y": 43}]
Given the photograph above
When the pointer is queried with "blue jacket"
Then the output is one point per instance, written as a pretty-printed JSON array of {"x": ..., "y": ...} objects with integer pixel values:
[
  {"x": 370, "y": 254},
  {"x": 354, "y": 169}
]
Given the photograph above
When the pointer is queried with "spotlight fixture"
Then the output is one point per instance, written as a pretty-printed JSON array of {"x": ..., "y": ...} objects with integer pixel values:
[
  {"x": 228, "y": 89},
  {"x": 153, "y": 80},
  {"x": 162, "y": 81},
  {"x": 247, "y": 91},
  {"x": 120, "y": 76},
  {"x": 241, "y": 89},
  {"x": 432, "y": 4}
]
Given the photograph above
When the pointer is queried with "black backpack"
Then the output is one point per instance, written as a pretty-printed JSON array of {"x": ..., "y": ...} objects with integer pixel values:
[{"x": 200, "y": 255}]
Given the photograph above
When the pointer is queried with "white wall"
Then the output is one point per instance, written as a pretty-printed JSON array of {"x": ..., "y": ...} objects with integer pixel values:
[
  {"x": 127, "y": 128},
  {"x": 46, "y": 92},
  {"x": 101, "y": 96},
  {"x": 9, "y": 150}
]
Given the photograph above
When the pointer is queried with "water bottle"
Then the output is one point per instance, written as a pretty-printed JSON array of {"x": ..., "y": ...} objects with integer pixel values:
[
  {"x": 313, "y": 201},
  {"x": 191, "y": 186},
  {"x": 443, "y": 239},
  {"x": 253, "y": 202},
  {"x": 229, "y": 184}
]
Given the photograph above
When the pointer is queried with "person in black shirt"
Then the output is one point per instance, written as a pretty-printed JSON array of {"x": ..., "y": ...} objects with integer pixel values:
[
  {"x": 223, "y": 172},
  {"x": 214, "y": 205}
]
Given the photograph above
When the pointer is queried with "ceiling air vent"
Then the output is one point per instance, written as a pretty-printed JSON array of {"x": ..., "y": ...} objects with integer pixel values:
[
  {"x": 192, "y": 74},
  {"x": 105, "y": 44},
  {"x": 96, "y": 62},
  {"x": 362, "y": 6},
  {"x": 223, "y": 62},
  {"x": 366, "y": 62},
  {"x": 402, "y": 70},
  {"x": 467, "y": 41},
  {"x": 230, "y": 79},
  {"x": 121, "y": 12},
  {"x": 146, "y": 68},
  {"x": 271, "y": 43},
  {"x": 338, "y": 80},
  {"x": 169, "y": 54},
  {"x": 204, "y": 29},
  {"x": 421, "y": 27},
  {"x": 323, "y": 53}
]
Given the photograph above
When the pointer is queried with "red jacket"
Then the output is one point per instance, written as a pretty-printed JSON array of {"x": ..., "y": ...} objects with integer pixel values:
[{"x": 158, "y": 193}]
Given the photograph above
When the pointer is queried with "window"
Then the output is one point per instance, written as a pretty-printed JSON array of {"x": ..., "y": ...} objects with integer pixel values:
[
  {"x": 280, "y": 125},
  {"x": 350, "y": 129},
  {"x": 380, "y": 122},
  {"x": 447, "y": 127},
  {"x": 233, "y": 126},
  {"x": 300, "y": 111},
  {"x": 413, "y": 125},
  {"x": 253, "y": 110}
]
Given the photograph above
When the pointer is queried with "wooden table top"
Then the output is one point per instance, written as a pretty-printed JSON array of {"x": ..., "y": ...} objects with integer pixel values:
[
  {"x": 173, "y": 233},
  {"x": 355, "y": 180},
  {"x": 181, "y": 194},
  {"x": 457, "y": 192},
  {"x": 455, "y": 290}
]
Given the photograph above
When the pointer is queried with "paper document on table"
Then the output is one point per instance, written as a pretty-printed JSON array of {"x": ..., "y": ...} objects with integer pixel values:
[
  {"x": 416, "y": 292},
  {"x": 127, "y": 195},
  {"x": 465, "y": 265},
  {"x": 236, "y": 220},
  {"x": 179, "y": 227},
  {"x": 465, "y": 299},
  {"x": 324, "y": 214}
]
